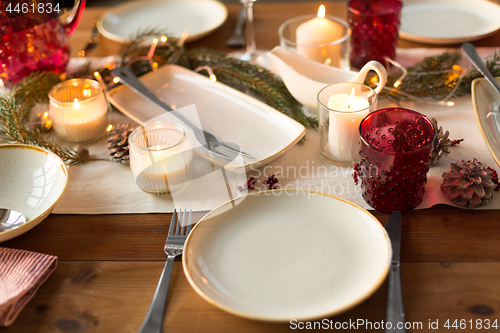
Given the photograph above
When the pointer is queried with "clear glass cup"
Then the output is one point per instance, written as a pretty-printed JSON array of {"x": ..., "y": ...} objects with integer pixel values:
[
  {"x": 78, "y": 110},
  {"x": 341, "y": 107},
  {"x": 161, "y": 157},
  {"x": 396, "y": 146},
  {"x": 334, "y": 52}
]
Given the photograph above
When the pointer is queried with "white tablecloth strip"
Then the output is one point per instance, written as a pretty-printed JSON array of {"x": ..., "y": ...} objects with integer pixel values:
[{"x": 108, "y": 188}]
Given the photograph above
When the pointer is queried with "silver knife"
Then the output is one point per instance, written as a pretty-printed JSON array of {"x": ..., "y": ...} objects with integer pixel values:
[{"x": 394, "y": 312}]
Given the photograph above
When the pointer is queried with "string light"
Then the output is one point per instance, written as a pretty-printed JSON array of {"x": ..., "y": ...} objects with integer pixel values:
[
  {"x": 116, "y": 79},
  {"x": 163, "y": 38},
  {"x": 109, "y": 128},
  {"x": 400, "y": 79},
  {"x": 152, "y": 49},
  {"x": 209, "y": 70},
  {"x": 328, "y": 62},
  {"x": 183, "y": 38}
]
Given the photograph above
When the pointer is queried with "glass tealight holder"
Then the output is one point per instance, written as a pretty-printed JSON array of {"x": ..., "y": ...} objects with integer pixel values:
[
  {"x": 78, "y": 110},
  {"x": 341, "y": 107},
  {"x": 161, "y": 157},
  {"x": 297, "y": 35}
]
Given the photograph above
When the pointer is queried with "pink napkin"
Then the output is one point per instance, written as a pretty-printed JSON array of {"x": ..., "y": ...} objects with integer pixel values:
[{"x": 21, "y": 273}]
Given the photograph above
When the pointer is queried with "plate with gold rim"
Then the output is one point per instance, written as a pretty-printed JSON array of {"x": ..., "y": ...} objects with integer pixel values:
[
  {"x": 483, "y": 98},
  {"x": 198, "y": 17},
  {"x": 287, "y": 254},
  {"x": 448, "y": 21}
]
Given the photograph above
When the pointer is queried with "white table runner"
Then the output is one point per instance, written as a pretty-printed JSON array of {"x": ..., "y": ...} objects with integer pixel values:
[{"x": 108, "y": 188}]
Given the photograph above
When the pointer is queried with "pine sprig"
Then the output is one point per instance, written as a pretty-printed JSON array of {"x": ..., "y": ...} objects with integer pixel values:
[
  {"x": 262, "y": 82},
  {"x": 436, "y": 78},
  {"x": 15, "y": 108}
]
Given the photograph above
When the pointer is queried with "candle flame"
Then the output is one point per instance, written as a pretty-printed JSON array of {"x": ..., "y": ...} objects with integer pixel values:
[
  {"x": 351, "y": 99},
  {"x": 77, "y": 104},
  {"x": 321, "y": 11}
]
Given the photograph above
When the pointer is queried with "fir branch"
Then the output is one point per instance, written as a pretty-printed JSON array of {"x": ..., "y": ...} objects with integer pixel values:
[
  {"x": 15, "y": 108},
  {"x": 262, "y": 82},
  {"x": 436, "y": 78}
]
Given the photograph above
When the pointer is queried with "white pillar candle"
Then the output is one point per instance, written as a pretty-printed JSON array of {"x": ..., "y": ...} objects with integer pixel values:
[
  {"x": 314, "y": 36},
  {"x": 78, "y": 110},
  {"x": 343, "y": 131}
]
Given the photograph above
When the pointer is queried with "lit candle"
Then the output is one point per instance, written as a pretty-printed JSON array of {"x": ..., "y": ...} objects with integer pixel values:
[
  {"x": 79, "y": 110},
  {"x": 343, "y": 133},
  {"x": 160, "y": 157},
  {"x": 314, "y": 36}
]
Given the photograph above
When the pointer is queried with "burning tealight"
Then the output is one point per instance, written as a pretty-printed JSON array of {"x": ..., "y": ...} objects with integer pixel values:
[
  {"x": 79, "y": 110},
  {"x": 320, "y": 38},
  {"x": 342, "y": 106}
]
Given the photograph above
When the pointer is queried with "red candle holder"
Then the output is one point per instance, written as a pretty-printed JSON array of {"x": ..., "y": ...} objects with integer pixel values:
[
  {"x": 374, "y": 26},
  {"x": 395, "y": 150}
]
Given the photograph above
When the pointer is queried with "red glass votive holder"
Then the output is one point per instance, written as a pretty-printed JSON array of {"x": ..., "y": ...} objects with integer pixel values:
[
  {"x": 374, "y": 26},
  {"x": 395, "y": 150}
]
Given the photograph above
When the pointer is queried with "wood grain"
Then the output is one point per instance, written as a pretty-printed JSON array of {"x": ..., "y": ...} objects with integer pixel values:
[
  {"x": 110, "y": 296},
  {"x": 439, "y": 234},
  {"x": 109, "y": 265}
]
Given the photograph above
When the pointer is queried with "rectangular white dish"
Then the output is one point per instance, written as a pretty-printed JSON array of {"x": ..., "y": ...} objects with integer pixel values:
[{"x": 231, "y": 115}]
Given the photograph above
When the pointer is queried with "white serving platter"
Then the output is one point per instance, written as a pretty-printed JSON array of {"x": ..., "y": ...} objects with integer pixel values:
[{"x": 228, "y": 113}]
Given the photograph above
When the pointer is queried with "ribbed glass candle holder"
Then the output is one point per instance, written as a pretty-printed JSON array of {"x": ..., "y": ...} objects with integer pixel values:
[
  {"x": 161, "y": 157},
  {"x": 79, "y": 110}
]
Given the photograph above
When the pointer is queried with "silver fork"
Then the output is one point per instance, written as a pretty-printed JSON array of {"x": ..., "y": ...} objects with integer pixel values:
[
  {"x": 130, "y": 80},
  {"x": 237, "y": 39},
  {"x": 177, "y": 234}
]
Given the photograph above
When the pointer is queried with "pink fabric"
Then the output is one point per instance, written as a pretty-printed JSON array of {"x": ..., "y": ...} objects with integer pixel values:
[{"x": 21, "y": 273}]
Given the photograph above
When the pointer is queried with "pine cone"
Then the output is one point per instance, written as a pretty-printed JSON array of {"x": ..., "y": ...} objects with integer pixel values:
[
  {"x": 440, "y": 144},
  {"x": 469, "y": 183},
  {"x": 118, "y": 143}
]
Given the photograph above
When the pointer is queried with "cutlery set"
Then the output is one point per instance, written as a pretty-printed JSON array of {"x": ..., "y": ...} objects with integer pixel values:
[{"x": 179, "y": 229}]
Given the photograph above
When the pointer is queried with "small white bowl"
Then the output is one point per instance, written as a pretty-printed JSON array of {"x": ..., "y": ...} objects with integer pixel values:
[{"x": 32, "y": 180}]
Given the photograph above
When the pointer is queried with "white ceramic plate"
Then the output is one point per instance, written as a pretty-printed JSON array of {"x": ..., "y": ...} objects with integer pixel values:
[
  {"x": 448, "y": 21},
  {"x": 278, "y": 255},
  {"x": 229, "y": 114},
  {"x": 483, "y": 96},
  {"x": 198, "y": 17},
  {"x": 32, "y": 180}
]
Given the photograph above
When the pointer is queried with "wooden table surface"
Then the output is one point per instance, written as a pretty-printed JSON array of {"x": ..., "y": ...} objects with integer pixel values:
[{"x": 109, "y": 265}]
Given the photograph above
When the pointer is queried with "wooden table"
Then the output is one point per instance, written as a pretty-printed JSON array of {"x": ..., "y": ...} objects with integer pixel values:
[{"x": 109, "y": 265}]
